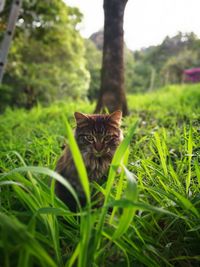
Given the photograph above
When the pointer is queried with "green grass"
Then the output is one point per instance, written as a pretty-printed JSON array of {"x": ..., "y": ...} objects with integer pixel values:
[{"x": 155, "y": 199}]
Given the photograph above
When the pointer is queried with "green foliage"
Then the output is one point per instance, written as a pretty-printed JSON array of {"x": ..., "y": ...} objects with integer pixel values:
[
  {"x": 150, "y": 215},
  {"x": 129, "y": 69},
  {"x": 46, "y": 61},
  {"x": 141, "y": 77},
  {"x": 93, "y": 59},
  {"x": 164, "y": 64},
  {"x": 173, "y": 69},
  {"x": 149, "y": 68}
]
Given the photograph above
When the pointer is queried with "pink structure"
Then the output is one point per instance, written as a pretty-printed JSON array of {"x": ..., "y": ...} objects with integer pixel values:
[{"x": 192, "y": 75}]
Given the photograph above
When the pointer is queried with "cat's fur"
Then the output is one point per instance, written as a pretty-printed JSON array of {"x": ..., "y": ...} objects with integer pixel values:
[{"x": 97, "y": 136}]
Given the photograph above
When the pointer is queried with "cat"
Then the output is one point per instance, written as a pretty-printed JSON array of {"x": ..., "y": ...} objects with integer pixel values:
[{"x": 98, "y": 136}]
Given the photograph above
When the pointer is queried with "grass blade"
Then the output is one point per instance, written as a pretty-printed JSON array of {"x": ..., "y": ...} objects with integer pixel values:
[
  {"x": 131, "y": 193},
  {"x": 78, "y": 161},
  {"x": 118, "y": 157},
  {"x": 48, "y": 172},
  {"x": 189, "y": 151},
  {"x": 85, "y": 227}
]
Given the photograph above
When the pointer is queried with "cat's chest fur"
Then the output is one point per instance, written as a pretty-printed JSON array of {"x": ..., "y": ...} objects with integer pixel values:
[{"x": 96, "y": 167}]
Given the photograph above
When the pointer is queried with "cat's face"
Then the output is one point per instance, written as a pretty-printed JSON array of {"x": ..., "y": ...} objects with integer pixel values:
[{"x": 98, "y": 135}]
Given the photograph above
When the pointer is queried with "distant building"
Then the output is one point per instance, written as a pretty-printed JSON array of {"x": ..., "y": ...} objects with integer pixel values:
[{"x": 191, "y": 75}]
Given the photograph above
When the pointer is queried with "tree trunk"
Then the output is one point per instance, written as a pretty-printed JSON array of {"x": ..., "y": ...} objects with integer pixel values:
[
  {"x": 16, "y": 4},
  {"x": 112, "y": 91},
  {"x": 2, "y": 4}
]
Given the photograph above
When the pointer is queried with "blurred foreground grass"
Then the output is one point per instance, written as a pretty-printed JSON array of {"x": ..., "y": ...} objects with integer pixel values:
[{"x": 155, "y": 220}]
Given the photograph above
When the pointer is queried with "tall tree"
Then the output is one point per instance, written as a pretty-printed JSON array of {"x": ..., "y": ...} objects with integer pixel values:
[
  {"x": 112, "y": 91},
  {"x": 14, "y": 13},
  {"x": 46, "y": 60}
]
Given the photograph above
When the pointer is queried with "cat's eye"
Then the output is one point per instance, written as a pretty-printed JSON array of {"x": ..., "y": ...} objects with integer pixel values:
[
  {"x": 107, "y": 138},
  {"x": 89, "y": 138}
]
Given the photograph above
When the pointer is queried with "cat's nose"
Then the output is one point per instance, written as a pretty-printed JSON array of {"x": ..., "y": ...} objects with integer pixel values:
[{"x": 98, "y": 146}]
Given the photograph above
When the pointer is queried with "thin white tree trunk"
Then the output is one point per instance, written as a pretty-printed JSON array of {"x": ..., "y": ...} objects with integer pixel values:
[
  {"x": 2, "y": 3},
  {"x": 14, "y": 13}
]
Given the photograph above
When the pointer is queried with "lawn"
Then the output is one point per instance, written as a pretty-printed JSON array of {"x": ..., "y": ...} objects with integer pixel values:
[{"x": 151, "y": 213}]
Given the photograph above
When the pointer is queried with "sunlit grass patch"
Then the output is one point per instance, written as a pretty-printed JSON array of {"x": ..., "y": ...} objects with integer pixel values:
[{"x": 150, "y": 215}]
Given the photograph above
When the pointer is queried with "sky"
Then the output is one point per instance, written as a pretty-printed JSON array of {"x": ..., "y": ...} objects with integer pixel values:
[{"x": 146, "y": 22}]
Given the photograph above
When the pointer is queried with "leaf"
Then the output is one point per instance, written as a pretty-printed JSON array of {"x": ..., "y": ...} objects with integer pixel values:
[
  {"x": 131, "y": 193},
  {"x": 78, "y": 161},
  {"x": 11, "y": 183},
  {"x": 15, "y": 228},
  {"x": 54, "y": 211},
  {"x": 48, "y": 172},
  {"x": 118, "y": 157},
  {"x": 125, "y": 203},
  {"x": 85, "y": 227}
]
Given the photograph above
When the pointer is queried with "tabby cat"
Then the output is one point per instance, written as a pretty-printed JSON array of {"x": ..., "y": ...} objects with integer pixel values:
[{"x": 98, "y": 137}]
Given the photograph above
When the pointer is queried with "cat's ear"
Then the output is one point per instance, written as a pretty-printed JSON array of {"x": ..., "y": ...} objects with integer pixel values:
[
  {"x": 80, "y": 118},
  {"x": 116, "y": 118}
]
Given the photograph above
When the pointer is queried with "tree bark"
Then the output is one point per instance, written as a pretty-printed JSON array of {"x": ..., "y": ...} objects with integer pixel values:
[
  {"x": 112, "y": 92},
  {"x": 14, "y": 13}
]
